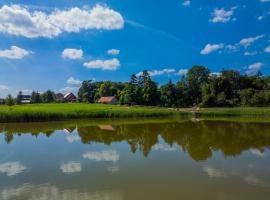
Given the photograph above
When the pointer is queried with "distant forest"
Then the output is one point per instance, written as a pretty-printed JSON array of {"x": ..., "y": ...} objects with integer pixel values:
[{"x": 199, "y": 87}]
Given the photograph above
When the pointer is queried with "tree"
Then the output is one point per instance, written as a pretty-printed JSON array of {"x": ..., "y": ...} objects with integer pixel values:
[
  {"x": 48, "y": 97},
  {"x": 105, "y": 89},
  {"x": 87, "y": 91},
  {"x": 10, "y": 101},
  {"x": 19, "y": 97},
  {"x": 197, "y": 76},
  {"x": 150, "y": 95},
  {"x": 36, "y": 97},
  {"x": 130, "y": 94},
  {"x": 168, "y": 94}
]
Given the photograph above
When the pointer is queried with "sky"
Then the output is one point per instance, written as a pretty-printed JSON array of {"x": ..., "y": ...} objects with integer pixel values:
[{"x": 58, "y": 44}]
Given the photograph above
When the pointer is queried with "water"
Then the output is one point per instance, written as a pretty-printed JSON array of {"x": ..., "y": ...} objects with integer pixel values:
[{"x": 151, "y": 159}]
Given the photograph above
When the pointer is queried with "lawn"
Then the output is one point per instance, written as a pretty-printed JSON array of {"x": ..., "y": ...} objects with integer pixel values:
[{"x": 54, "y": 112}]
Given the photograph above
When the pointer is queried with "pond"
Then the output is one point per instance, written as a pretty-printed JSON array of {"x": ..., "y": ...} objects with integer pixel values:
[{"x": 135, "y": 159}]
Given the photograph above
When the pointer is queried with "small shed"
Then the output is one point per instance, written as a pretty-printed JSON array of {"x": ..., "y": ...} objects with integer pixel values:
[
  {"x": 70, "y": 97},
  {"x": 108, "y": 100}
]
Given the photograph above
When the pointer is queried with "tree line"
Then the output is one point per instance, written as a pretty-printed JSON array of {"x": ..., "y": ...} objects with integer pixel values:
[{"x": 199, "y": 87}]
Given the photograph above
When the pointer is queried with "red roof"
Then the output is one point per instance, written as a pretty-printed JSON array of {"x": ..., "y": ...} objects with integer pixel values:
[{"x": 106, "y": 99}]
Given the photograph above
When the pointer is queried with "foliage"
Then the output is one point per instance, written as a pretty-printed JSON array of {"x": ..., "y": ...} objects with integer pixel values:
[{"x": 10, "y": 101}]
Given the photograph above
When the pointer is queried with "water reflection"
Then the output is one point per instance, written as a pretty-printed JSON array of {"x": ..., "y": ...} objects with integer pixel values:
[{"x": 199, "y": 139}]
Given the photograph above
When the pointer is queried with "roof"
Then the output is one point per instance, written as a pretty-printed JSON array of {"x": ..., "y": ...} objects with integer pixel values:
[
  {"x": 106, "y": 99},
  {"x": 68, "y": 94}
]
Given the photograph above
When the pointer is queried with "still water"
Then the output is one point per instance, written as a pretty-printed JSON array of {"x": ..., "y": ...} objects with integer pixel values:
[{"x": 132, "y": 160}]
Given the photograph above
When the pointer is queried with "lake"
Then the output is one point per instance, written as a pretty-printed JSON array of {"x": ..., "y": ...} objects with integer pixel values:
[{"x": 135, "y": 159}]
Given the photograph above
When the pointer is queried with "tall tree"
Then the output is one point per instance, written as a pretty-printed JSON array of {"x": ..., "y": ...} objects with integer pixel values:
[
  {"x": 87, "y": 91},
  {"x": 168, "y": 95},
  {"x": 196, "y": 77}
]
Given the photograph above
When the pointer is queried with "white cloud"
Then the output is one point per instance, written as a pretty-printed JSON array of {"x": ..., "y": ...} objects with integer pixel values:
[
  {"x": 248, "y": 41},
  {"x": 14, "y": 52},
  {"x": 71, "y": 167},
  {"x": 267, "y": 49},
  {"x": 257, "y": 152},
  {"x": 112, "y": 64},
  {"x": 12, "y": 168},
  {"x": 253, "y": 53},
  {"x": 209, "y": 48},
  {"x": 73, "y": 81},
  {"x": 20, "y": 21},
  {"x": 72, "y": 54},
  {"x": 113, "y": 52},
  {"x": 112, "y": 156},
  {"x": 4, "y": 87},
  {"x": 186, "y": 3},
  {"x": 69, "y": 89},
  {"x": 254, "y": 68},
  {"x": 264, "y": 1},
  {"x": 161, "y": 72},
  {"x": 166, "y": 71},
  {"x": 222, "y": 15},
  {"x": 182, "y": 72}
]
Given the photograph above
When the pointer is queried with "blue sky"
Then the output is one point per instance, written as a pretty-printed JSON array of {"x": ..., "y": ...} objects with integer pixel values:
[{"x": 56, "y": 44}]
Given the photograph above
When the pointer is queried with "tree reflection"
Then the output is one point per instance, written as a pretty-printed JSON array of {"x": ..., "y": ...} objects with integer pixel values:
[{"x": 198, "y": 139}]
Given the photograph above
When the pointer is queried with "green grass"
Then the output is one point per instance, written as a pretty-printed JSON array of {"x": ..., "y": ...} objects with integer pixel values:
[
  {"x": 234, "y": 112},
  {"x": 55, "y": 112}
]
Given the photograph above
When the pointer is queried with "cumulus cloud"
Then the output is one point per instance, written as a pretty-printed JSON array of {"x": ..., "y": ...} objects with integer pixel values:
[
  {"x": 248, "y": 41},
  {"x": 254, "y": 68},
  {"x": 112, "y": 156},
  {"x": 72, "y": 54},
  {"x": 112, "y": 64},
  {"x": 264, "y": 1},
  {"x": 166, "y": 71},
  {"x": 253, "y": 53},
  {"x": 73, "y": 81},
  {"x": 71, "y": 167},
  {"x": 12, "y": 168},
  {"x": 68, "y": 89},
  {"x": 267, "y": 49},
  {"x": 19, "y": 20},
  {"x": 222, "y": 16},
  {"x": 186, "y": 3},
  {"x": 4, "y": 87},
  {"x": 209, "y": 48},
  {"x": 113, "y": 52},
  {"x": 14, "y": 52}
]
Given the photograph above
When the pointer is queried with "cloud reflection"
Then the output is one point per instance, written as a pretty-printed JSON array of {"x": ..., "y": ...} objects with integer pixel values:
[
  {"x": 12, "y": 168},
  {"x": 71, "y": 167},
  {"x": 112, "y": 156}
]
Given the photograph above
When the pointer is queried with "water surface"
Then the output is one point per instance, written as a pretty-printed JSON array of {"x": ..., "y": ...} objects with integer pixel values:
[{"x": 130, "y": 159}]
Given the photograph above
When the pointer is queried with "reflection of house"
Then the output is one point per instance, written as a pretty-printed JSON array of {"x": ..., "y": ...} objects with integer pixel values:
[
  {"x": 70, "y": 97},
  {"x": 106, "y": 127},
  {"x": 108, "y": 100},
  {"x": 23, "y": 99},
  {"x": 70, "y": 129}
]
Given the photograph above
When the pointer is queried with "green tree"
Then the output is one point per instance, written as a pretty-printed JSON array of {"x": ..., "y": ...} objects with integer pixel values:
[
  {"x": 197, "y": 76},
  {"x": 36, "y": 97},
  {"x": 168, "y": 94},
  {"x": 10, "y": 101},
  {"x": 149, "y": 90},
  {"x": 105, "y": 89},
  {"x": 48, "y": 96},
  {"x": 87, "y": 91}
]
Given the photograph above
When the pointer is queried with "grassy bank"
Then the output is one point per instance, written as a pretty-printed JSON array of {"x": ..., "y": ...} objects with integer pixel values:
[
  {"x": 233, "y": 112},
  {"x": 55, "y": 112}
]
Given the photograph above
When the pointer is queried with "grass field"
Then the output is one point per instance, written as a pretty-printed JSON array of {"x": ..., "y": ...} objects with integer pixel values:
[{"x": 55, "y": 112}]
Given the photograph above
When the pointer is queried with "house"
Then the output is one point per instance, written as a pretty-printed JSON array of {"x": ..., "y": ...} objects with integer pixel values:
[
  {"x": 108, "y": 100},
  {"x": 59, "y": 97},
  {"x": 106, "y": 127},
  {"x": 23, "y": 99},
  {"x": 70, "y": 97}
]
